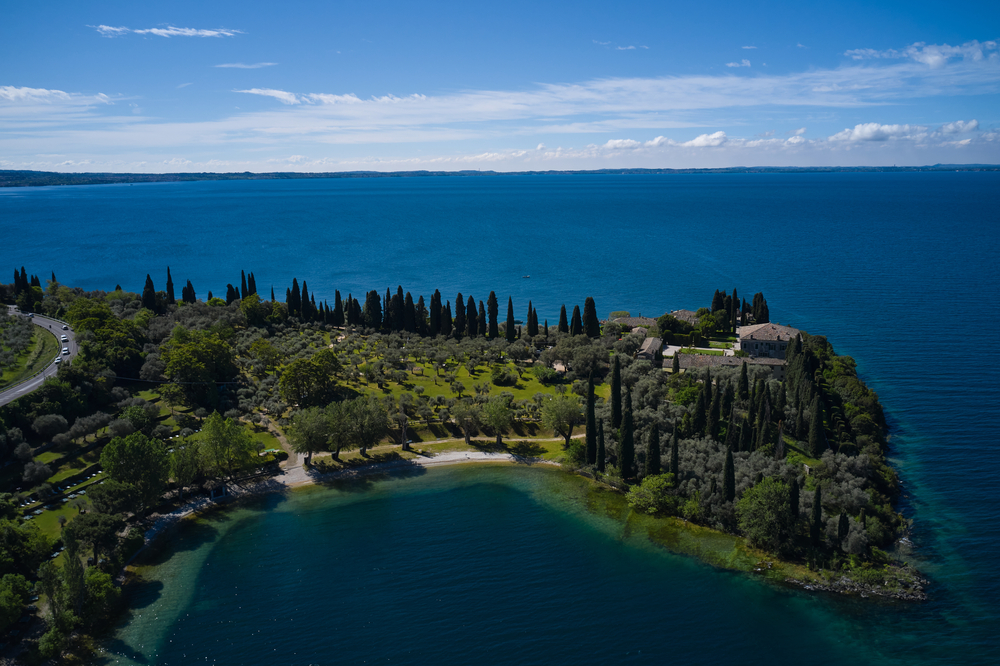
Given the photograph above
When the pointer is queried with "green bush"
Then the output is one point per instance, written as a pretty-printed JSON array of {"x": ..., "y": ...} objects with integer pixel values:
[{"x": 545, "y": 375}]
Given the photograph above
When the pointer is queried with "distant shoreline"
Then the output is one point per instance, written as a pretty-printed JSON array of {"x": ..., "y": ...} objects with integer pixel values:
[{"x": 14, "y": 178}]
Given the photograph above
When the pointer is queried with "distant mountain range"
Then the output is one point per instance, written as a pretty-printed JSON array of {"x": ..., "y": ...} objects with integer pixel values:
[{"x": 42, "y": 178}]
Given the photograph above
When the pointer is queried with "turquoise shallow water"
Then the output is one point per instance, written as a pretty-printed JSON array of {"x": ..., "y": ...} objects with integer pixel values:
[
  {"x": 898, "y": 270},
  {"x": 454, "y": 566}
]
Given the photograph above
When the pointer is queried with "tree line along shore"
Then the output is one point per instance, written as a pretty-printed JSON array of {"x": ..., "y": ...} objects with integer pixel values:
[{"x": 172, "y": 398}]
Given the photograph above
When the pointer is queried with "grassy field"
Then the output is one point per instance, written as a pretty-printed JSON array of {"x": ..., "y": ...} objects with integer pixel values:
[{"x": 43, "y": 349}]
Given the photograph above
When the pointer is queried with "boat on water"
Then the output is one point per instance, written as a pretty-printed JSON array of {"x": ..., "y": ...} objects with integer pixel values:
[{"x": 525, "y": 276}]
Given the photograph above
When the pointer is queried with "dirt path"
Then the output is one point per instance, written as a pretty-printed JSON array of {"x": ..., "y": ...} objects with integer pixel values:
[{"x": 293, "y": 457}]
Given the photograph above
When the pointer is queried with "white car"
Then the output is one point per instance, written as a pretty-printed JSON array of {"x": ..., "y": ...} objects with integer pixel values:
[
  {"x": 57, "y": 361},
  {"x": 65, "y": 339},
  {"x": 65, "y": 351},
  {"x": 65, "y": 328}
]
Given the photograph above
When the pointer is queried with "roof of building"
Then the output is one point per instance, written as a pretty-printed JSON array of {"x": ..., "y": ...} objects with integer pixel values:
[
  {"x": 686, "y": 315},
  {"x": 651, "y": 345},
  {"x": 770, "y": 332},
  {"x": 635, "y": 321}
]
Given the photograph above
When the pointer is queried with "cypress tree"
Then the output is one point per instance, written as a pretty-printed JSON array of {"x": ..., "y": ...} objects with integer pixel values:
[
  {"x": 387, "y": 311},
  {"x": 576, "y": 325},
  {"x": 243, "y": 285},
  {"x": 483, "y": 326},
  {"x": 762, "y": 434},
  {"x": 251, "y": 284},
  {"x": 304, "y": 309},
  {"x": 601, "y": 452},
  {"x": 746, "y": 435},
  {"x": 563, "y": 324},
  {"x": 231, "y": 294},
  {"x": 493, "y": 307},
  {"x": 843, "y": 527},
  {"x": 435, "y": 313},
  {"x": 793, "y": 500},
  {"x": 25, "y": 283},
  {"x": 532, "y": 321},
  {"x": 294, "y": 301},
  {"x": 272, "y": 293},
  {"x": 170, "y": 287},
  {"x": 627, "y": 457},
  {"x": 148, "y": 294},
  {"x": 800, "y": 427},
  {"x": 472, "y": 325},
  {"x": 398, "y": 310},
  {"x": 676, "y": 366},
  {"x": 409, "y": 314},
  {"x": 187, "y": 293},
  {"x": 55, "y": 281},
  {"x": 699, "y": 418},
  {"x": 446, "y": 319},
  {"x": 420, "y": 316},
  {"x": 707, "y": 386},
  {"x": 35, "y": 282},
  {"x": 736, "y": 310},
  {"x": 743, "y": 388},
  {"x": 616, "y": 394},
  {"x": 729, "y": 477},
  {"x": 816, "y": 525},
  {"x": 591, "y": 424},
  {"x": 546, "y": 329},
  {"x": 459, "y": 322},
  {"x": 817, "y": 436},
  {"x": 591, "y": 324},
  {"x": 372, "y": 315},
  {"x": 779, "y": 444},
  {"x": 338, "y": 309},
  {"x": 653, "y": 451},
  {"x": 714, "y": 414},
  {"x": 510, "y": 332},
  {"x": 675, "y": 457}
]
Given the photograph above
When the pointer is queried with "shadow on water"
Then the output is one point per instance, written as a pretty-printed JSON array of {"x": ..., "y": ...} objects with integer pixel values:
[{"x": 363, "y": 479}]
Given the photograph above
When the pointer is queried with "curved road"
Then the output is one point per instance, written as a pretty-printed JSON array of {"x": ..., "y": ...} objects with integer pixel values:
[{"x": 55, "y": 327}]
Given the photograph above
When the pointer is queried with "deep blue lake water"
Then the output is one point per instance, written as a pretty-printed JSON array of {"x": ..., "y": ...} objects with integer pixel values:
[{"x": 898, "y": 270}]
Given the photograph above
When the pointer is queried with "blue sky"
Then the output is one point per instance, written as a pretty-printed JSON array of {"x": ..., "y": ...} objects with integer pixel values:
[{"x": 336, "y": 86}]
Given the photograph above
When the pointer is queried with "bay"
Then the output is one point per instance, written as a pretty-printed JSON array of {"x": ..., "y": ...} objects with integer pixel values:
[{"x": 898, "y": 270}]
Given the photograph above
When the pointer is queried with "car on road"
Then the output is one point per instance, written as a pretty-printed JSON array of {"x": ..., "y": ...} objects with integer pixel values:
[
  {"x": 57, "y": 361},
  {"x": 31, "y": 315},
  {"x": 65, "y": 339},
  {"x": 65, "y": 328},
  {"x": 65, "y": 351}
]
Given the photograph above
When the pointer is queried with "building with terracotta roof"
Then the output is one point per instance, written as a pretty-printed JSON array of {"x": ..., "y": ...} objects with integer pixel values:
[{"x": 766, "y": 340}]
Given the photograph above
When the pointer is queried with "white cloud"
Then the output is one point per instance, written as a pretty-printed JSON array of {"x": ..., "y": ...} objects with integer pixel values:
[
  {"x": 625, "y": 48},
  {"x": 602, "y": 43},
  {"x": 620, "y": 144},
  {"x": 109, "y": 31},
  {"x": 749, "y": 47},
  {"x": 795, "y": 140},
  {"x": 742, "y": 63},
  {"x": 877, "y": 132},
  {"x": 240, "y": 65},
  {"x": 960, "y": 126},
  {"x": 706, "y": 140},
  {"x": 798, "y": 132},
  {"x": 933, "y": 55},
  {"x": 280, "y": 95},
  {"x": 169, "y": 31},
  {"x": 183, "y": 85}
]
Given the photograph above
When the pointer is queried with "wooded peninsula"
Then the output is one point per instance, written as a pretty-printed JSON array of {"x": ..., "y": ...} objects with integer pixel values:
[{"x": 713, "y": 418}]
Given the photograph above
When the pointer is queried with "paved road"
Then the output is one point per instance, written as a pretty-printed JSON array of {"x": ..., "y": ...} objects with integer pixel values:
[{"x": 56, "y": 328}]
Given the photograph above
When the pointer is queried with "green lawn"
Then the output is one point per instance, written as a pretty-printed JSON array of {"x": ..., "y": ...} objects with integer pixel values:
[
  {"x": 706, "y": 352},
  {"x": 44, "y": 348}
]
